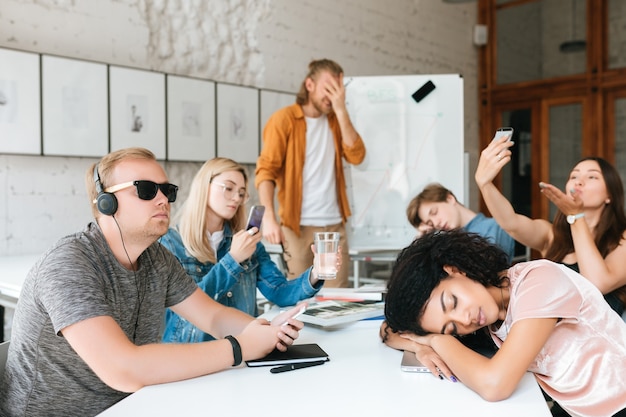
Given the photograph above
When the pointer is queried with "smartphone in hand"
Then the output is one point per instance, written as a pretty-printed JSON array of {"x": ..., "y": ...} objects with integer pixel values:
[
  {"x": 503, "y": 131},
  {"x": 298, "y": 314},
  {"x": 255, "y": 217}
]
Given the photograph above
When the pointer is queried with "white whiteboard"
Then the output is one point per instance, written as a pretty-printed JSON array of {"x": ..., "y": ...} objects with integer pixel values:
[{"x": 409, "y": 144}]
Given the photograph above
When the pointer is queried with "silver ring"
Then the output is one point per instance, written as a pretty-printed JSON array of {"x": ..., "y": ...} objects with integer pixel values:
[{"x": 251, "y": 232}]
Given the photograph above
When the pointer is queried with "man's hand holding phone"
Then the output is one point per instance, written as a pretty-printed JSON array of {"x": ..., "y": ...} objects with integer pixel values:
[{"x": 288, "y": 317}]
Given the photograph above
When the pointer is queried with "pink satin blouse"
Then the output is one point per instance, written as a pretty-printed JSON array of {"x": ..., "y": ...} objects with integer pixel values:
[{"x": 582, "y": 366}]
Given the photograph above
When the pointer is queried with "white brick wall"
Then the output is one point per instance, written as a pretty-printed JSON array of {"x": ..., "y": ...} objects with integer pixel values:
[{"x": 261, "y": 43}]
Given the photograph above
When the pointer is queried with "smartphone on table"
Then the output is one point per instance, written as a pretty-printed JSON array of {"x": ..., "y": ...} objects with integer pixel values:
[
  {"x": 411, "y": 364},
  {"x": 255, "y": 217},
  {"x": 503, "y": 131}
]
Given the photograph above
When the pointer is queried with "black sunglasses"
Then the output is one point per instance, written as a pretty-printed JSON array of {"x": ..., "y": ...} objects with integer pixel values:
[{"x": 147, "y": 190}]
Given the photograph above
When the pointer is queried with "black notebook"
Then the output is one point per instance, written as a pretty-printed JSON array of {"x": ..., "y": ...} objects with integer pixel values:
[{"x": 310, "y": 352}]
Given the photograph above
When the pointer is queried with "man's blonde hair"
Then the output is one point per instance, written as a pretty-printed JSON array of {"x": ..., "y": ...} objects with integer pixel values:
[
  {"x": 315, "y": 67},
  {"x": 106, "y": 165}
]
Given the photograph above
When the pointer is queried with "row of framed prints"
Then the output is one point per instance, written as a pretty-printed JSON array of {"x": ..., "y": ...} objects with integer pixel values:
[{"x": 59, "y": 106}]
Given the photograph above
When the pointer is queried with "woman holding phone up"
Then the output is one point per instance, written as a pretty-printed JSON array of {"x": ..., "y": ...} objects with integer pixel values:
[
  {"x": 588, "y": 233},
  {"x": 227, "y": 262}
]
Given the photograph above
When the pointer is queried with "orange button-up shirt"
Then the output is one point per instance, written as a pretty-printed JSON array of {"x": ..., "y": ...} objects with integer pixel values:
[{"x": 282, "y": 162}]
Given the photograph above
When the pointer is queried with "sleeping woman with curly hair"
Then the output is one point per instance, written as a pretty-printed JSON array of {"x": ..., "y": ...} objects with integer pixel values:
[{"x": 544, "y": 317}]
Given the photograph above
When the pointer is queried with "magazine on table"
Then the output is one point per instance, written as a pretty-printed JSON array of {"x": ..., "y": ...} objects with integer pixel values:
[{"x": 335, "y": 312}]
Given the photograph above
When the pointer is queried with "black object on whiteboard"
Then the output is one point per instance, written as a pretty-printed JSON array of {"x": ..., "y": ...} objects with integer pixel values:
[{"x": 423, "y": 91}]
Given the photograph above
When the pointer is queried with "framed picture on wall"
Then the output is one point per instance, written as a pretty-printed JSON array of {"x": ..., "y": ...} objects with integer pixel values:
[
  {"x": 20, "y": 114},
  {"x": 75, "y": 107},
  {"x": 272, "y": 101},
  {"x": 190, "y": 119},
  {"x": 238, "y": 123},
  {"x": 137, "y": 109}
]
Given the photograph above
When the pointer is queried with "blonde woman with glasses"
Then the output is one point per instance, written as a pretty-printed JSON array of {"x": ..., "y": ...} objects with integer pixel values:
[{"x": 226, "y": 261}]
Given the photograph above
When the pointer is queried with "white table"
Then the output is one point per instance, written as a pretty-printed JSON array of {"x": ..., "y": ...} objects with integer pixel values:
[
  {"x": 363, "y": 378},
  {"x": 13, "y": 271}
]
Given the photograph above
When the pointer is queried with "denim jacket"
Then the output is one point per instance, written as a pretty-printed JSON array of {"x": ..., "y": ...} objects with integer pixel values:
[{"x": 232, "y": 284}]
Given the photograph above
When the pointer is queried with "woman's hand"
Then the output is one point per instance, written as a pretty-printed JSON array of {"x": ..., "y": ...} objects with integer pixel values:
[
  {"x": 314, "y": 272},
  {"x": 427, "y": 355},
  {"x": 570, "y": 203},
  {"x": 244, "y": 244},
  {"x": 492, "y": 159}
]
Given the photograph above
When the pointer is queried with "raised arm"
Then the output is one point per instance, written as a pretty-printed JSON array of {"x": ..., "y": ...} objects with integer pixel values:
[
  {"x": 536, "y": 233},
  {"x": 607, "y": 274},
  {"x": 337, "y": 94}
]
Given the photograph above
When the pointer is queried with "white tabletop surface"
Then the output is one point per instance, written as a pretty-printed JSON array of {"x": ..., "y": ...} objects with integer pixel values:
[
  {"x": 363, "y": 378},
  {"x": 13, "y": 271}
]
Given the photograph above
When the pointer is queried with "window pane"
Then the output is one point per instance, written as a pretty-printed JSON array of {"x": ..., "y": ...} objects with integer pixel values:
[
  {"x": 565, "y": 144},
  {"x": 541, "y": 39},
  {"x": 620, "y": 137},
  {"x": 617, "y": 34}
]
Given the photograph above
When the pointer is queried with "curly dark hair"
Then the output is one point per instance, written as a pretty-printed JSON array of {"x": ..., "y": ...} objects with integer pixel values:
[{"x": 419, "y": 270}]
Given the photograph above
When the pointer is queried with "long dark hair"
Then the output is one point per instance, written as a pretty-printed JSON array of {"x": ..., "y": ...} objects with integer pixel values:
[
  {"x": 419, "y": 269},
  {"x": 612, "y": 220},
  {"x": 610, "y": 228}
]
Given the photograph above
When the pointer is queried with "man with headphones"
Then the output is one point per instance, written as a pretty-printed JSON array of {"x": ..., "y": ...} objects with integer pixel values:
[{"x": 87, "y": 327}]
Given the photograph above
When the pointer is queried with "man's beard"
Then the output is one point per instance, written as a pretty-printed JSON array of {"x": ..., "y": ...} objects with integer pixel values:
[{"x": 320, "y": 107}]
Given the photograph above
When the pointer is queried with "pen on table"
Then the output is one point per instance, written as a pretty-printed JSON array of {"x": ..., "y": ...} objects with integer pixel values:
[
  {"x": 347, "y": 82},
  {"x": 294, "y": 366}
]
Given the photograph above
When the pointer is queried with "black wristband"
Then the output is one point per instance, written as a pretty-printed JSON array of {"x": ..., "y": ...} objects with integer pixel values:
[{"x": 236, "y": 350}]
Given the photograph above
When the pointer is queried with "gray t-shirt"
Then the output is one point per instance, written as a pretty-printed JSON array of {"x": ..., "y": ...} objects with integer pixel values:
[{"x": 79, "y": 278}]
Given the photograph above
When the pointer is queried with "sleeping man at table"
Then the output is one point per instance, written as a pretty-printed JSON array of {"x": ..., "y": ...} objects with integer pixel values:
[{"x": 87, "y": 326}]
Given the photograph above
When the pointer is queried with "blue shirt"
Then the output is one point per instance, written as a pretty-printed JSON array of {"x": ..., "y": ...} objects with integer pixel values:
[
  {"x": 232, "y": 284},
  {"x": 490, "y": 229}
]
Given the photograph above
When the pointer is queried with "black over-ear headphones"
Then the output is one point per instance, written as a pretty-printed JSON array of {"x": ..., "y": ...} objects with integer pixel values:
[{"x": 106, "y": 202}]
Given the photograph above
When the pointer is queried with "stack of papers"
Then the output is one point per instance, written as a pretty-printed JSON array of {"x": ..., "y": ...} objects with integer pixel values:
[
  {"x": 336, "y": 312},
  {"x": 374, "y": 293}
]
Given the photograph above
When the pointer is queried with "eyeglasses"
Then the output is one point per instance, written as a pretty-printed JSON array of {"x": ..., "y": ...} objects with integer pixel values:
[
  {"x": 147, "y": 190},
  {"x": 229, "y": 192}
]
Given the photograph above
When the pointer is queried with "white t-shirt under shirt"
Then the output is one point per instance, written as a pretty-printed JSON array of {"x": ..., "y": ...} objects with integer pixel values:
[
  {"x": 215, "y": 239},
  {"x": 319, "y": 190}
]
